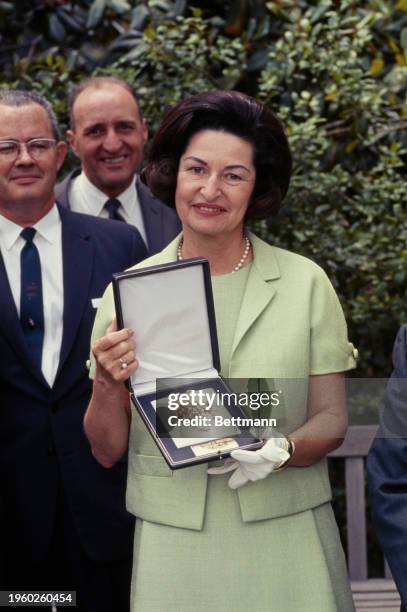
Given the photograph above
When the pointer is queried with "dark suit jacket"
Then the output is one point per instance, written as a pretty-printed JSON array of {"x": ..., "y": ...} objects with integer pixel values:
[
  {"x": 160, "y": 221},
  {"x": 42, "y": 442},
  {"x": 387, "y": 469}
]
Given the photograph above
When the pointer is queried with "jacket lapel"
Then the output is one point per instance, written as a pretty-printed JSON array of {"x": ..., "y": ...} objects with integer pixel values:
[
  {"x": 78, "y": 259},
  {"x": 259, "y": 290},
  {"x": 10, "y": 325},
  {"x": 151, "y": 217},
  {"x": 150, "y": 210},
  {"x": 62, "y": 188}
]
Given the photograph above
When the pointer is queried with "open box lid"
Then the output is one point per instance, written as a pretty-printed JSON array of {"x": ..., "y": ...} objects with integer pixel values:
[{"x": 170, "y": 308}]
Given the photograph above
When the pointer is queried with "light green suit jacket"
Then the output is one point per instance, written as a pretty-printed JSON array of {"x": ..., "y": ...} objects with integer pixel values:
[{"x": 290, "y": 325}]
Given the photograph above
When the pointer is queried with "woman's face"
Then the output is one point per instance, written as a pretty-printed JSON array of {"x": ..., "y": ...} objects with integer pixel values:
[{"x": 216, "y": 178}]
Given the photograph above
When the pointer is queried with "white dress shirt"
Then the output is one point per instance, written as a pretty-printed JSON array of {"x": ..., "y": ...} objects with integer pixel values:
[
  {"x": 48, "y": 240},
  {"x": 85, "y": 198}
]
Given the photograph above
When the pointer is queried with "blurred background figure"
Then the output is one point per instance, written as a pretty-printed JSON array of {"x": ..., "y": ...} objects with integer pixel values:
[{"x": 387, "y": 470}]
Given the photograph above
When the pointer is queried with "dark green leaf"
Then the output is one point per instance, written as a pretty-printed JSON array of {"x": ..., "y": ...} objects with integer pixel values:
[
  {"x": 180, "y": 7},
  {"x": 258, "y": 60},
  {"x": 139, "y": 17},
  {"x": 95, "y": 14},
  {"x": 263, "y": 28},
  {"x": 119, "y": 6},
  {"x": 56, "y": 29},
  {"x": 125, "y": 43},
  {"x": 319, "y": 11},
  {"x": 71, "y": 60},
  {"x": 69, "y": 21}
]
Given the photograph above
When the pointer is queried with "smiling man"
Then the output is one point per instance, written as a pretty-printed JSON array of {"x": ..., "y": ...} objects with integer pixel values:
[
  {"x": 64, "y": 525},
  {"x": 108, "y": 135}
]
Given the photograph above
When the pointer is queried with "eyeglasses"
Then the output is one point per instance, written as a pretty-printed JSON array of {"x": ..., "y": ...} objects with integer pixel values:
[{"x": 36, "y": 148}]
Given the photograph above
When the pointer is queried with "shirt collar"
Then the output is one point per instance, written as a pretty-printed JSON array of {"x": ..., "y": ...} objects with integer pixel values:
[
  {"x": 47, "y": 227},
  {"x": 95, "y": 198}
]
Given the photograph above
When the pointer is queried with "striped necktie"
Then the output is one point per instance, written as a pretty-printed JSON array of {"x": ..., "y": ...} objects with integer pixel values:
[{"x": 112, "y": 206}]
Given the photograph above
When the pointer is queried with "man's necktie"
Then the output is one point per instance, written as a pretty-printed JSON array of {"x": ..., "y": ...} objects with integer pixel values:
[
  {"x": 31, "y": 304},
  {"x": 112, "y": 207}
]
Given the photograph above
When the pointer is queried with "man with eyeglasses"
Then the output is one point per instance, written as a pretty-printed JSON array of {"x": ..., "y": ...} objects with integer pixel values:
[
  {"x": 108, "y": 133},
  {"x": 64, "y": 526}
]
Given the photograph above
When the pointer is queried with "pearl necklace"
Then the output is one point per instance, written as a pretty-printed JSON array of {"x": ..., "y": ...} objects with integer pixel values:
[{"x": 239, "y": 265}]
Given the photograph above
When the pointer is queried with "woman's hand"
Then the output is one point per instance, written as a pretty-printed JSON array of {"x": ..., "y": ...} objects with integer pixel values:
[
  {"x": 115, "y": 355},
  {"x": 323, "y": 431},
  {"x": 254, "y": 465},
  {"x": 107, "y": 419}
]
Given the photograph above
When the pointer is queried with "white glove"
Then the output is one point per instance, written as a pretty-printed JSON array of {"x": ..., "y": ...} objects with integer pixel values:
[{"x": 254, "y": 465}]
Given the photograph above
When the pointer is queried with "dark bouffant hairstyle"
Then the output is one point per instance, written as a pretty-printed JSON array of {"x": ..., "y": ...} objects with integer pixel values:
[{"x": 226, "y": 111}]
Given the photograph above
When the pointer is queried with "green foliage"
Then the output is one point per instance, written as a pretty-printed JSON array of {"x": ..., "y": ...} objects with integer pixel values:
[
  {"x": 346, "y": 206},
  {"x": 176, "y": 58},
  {"x": 336, "y": 72}
]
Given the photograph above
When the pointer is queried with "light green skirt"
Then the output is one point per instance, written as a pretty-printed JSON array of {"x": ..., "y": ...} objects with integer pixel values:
[{"x": 287, "y": 564}]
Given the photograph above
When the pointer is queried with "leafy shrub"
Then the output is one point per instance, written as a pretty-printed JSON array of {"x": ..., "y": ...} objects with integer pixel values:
[{"x": 346, "y": 207}]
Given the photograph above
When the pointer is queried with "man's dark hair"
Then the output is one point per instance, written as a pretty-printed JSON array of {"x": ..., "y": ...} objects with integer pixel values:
[{"x": 237, "y": 114}]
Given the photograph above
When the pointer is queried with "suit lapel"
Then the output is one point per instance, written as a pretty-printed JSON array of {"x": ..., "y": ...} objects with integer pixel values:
[
  {"x": 62, "y": 188},
  {"x": 10, "y": 325},
  {"x": 259, "y": 291},
  {"x": 151, "y": 217},
  {"x": 78, "y": 259}
]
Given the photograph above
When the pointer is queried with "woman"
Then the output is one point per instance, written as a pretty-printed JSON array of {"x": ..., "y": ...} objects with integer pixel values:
[{"x": 272, "y": 543}]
